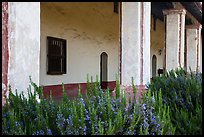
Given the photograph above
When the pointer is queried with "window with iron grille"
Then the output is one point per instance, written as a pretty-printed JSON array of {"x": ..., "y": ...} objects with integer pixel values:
[{"x": 56, "y": 56}]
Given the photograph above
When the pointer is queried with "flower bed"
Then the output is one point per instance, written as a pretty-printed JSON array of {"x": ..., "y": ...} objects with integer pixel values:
[
  {"x": 182, "y": 92},
  {"x": 95, "y": 113}
]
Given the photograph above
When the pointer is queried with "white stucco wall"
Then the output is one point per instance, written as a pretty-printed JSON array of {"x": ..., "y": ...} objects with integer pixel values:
[
  {"x": 157, "y": 43},
  {"x": 191, "y": 49},
  {"x": 131, "y": 32},
  {"x": 194, "y": 47},
  {"x": 172, "y": 41},
  {"x": 24, "y": 44},
  {"x": 90, "y": 29},
  {"x": 199, "y": 42},
  {"x": 130, "y": 43},
  {"x": 201, "y": 53},
  {"x": 173, "y": 36},
  {"x": 182, "y": 39},
  {"x": 146, "y": 42}
]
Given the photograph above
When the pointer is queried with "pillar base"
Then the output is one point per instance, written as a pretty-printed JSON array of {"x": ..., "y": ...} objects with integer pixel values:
[
  {"x": 128, "y": 90},
  {"x": 3, "y": 101}
]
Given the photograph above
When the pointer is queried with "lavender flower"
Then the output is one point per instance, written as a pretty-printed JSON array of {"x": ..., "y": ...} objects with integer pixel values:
[
  {"x": 68, "y": 121},
  {"x": 85, "y": 128},
  {"x": 153, "y": 100},
  {"x": 5, "y": 115},
  {"x": 130, "y": 116},
  {"x": 86, "y": 111},
  {"x": 60, "y": 120},
  {"x": 49, "y": 132},
  {"x": 82, "y": 101},
  {"x": 26, "y": 113},
  {"x": 144, "y": 106},
  {"x": 128, "y": 132},
  {"x": 16, "y": 123},
  {"x": 21, "y": 123},
  {"x": 87, "y": 118},
  {"x": 112, "y": 108},
  {"x": 59, "y": 116},
  {"x": 41, "y": 132}
]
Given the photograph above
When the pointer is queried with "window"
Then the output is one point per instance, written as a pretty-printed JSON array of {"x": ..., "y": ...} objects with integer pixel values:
[{"x": 56, "y": 56}]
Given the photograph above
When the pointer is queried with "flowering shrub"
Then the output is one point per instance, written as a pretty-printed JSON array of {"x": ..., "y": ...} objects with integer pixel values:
[
  {"x": 182, "y": 92},
  {"x": 95, "y": 113}
]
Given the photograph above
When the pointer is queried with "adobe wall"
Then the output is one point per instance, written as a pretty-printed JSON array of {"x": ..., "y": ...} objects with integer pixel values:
[{"x": 90, "y": 29}]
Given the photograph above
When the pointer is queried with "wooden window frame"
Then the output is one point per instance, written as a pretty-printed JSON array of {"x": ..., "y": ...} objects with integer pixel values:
[{"x": 62, "y": 43}]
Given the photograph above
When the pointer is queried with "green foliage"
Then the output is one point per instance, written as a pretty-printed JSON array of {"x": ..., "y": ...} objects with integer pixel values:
[
  {"x": 117, "y": 88},
  {"x": 182, "y": 93},
  {"x": 97, "y": 113}
]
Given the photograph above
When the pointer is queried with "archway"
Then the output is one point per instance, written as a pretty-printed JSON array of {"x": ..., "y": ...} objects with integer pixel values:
[
  {"x": 154, "y": 66},
  {"x": 104, "y": 70}
]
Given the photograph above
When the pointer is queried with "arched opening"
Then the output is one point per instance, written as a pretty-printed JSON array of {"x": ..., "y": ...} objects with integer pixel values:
[
  {"x": 104, "y": 70},
  {"x": 154, "y": 66}
]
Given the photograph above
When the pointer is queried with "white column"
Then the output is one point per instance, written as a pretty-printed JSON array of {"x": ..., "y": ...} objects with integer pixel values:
[
  {"x": 199, "y": 51},
  {"x": 200, "y": 54},
  {"x": 175, "y": 29},
  {"x": 24, "y": 44},
  {"x": 135, "y": 35},
  {"x": 193, "y": 46}
]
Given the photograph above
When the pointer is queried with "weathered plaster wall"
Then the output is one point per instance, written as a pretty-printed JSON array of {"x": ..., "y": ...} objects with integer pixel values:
[
  {"x": 157, "y": 43},
  {"x": 90, "y": 29},
  {"x": 24, "y": 44},
  {"x": 175, "y": 23},
  {"x": 198, "y": 40},
  {"x": 135, "y": 43},
  {"x": 182, "y": 38},
  {"x": 146, "y": 42},
  {"x": 191, "y": 49},
  {"x": 4, "y": 49},
  {"x": 172, "y": 41},
  {"x": 200, "y": 54},
  {"x": 130, "y": 43},
  {"x": 172, "y": 35},
  {"x": 178, "y": 5}
]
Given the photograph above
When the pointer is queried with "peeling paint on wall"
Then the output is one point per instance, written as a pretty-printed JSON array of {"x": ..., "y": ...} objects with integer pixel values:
[
  {"x": 201, "y": 52},
  {"x": 24, "y": 44},
  {"x": 134, "y": 40},
  {"x": 88, "y": 34},
  {"x": 4, "y": 49}
]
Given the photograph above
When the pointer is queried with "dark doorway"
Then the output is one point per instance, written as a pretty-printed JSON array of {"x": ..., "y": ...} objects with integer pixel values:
[
  {"x": 154, "y": 66},
  {"x": 104, "y": 70}
]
